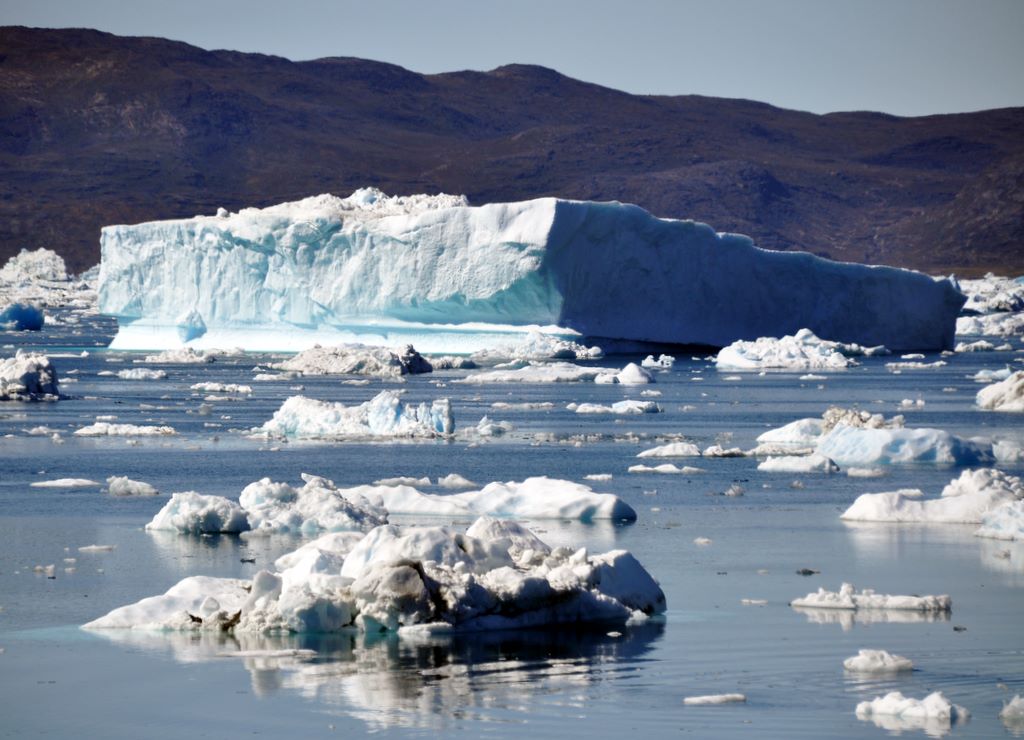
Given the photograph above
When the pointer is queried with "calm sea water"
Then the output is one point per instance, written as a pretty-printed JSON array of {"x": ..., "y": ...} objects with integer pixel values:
[{"x": 56, "y": 680}]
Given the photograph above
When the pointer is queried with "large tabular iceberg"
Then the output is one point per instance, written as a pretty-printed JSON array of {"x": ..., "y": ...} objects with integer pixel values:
[{"x": 451, "y": 277}]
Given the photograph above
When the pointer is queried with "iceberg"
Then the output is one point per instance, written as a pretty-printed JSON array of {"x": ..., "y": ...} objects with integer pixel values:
[{"x": 448, "y": 277}]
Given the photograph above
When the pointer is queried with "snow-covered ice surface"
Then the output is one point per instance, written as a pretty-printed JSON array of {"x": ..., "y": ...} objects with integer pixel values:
[
  {"x": 611, "y": 681},
  {"x": 439, "y": 273}
]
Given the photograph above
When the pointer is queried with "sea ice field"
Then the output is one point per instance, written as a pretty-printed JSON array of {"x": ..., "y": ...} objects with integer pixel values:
[{"x": 731, "y": 546}]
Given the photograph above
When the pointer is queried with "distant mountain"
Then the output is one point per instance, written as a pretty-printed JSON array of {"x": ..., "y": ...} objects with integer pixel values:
[{"x": 98, "y": 129}]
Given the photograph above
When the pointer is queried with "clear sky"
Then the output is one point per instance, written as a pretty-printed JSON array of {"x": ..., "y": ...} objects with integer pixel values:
[{"x": 908, "y": 57}]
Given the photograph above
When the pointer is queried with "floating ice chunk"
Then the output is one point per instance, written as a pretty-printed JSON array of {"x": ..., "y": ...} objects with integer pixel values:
[
  {"x": 537, "y": 346},
  {"x": 194, "y": 513},
  {"x": 877, "y": 661},
  {"x": 189, "y": 356},
  {"x": 538, "y": 372},
  {"x": 125, "y": 486},
  {"x": 356, "y": 359},
  {"x": 389, "y": 545},
  {"x": 524, "y": 406},
  {"x": 1006, "y": 395},
  {"x": 28, "y": 377},
  {"x": 619, "y": 407},
  {"x": 487, "y": 427},
  {"x": 1003, "y": 522},
  {"x": 104, "y": 429},
  {"x": 798, "y": 434},
  {"x": 814, "y": 463},
  {"x": 65, "y": 483},
  {"x": 233, "y": 388},
  {"x": 992, "y": 325},
  {"x": 993, "y": 293},
  {"x": 979, "y": 346},
  {"x": 802, "y": 351},
  {"x": 913, "y": 365},
  {"x": 141, "y": 373},
  {"x": 847, "y": 598},
  {"x": 21, "y": 317},
  {"x": 665, "y": 469},
  {"x": 894, "y": 712},
  {"x": 383, "y": 416},
  {"x": 988, "y": 376},
  {"x": 632, "y": 374},
  {"x": 455, "y": 481},
  {"x": 865, "y": 472},
  {"x": 865, "y": 447},
  {"x": 711, "y": 699},
  {"x": 403, "y": 480},
  {"x": 1012, "y": 713},
  {"x": 719, "y": 451},
  {"x": 598, "y": 477},
  {"x": 674, "y": 449},
  {"x": 317, "y": 506},
  {"x": 197, "y": 602},
  {"x": 663, "y": 362}
]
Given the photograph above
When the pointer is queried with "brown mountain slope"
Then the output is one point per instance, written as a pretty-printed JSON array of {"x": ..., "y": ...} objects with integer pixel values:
[{"x": 98, "y": 129}]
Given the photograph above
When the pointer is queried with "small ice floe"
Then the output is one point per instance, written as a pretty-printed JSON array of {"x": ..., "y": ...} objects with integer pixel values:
[
  {"x": 488, "y": 427},
  {"x": 812, "y": 376},
  {"x": 867, "y": 447},
  {"x": 122, "y": 485},
  {"x": 403, "y": 480},
  {"x": 417, "y": 581},
  {"x": 357, "y": 359},
  {"x": 712, "y": 699},
  {"x": 719, "y": 451},
  {"x": 665, "y": 469},
  {"x": 914, "y": 365},
  {"x": 966, "y": 499},
  {"x": 1006, "y": 395},
  {"x": 232, "y": 388},
  {"x": 674, "y": 449},
  {"x": 1012, "y": 714},
  {"x": 1003, "y": 522},
  {"x": 702, "y": 541},
  {"x": 754, "y": 602},
  {"x": 877, "y": 661},
  {"x": 619, "y": 407},
  {"x": 631, "y": 374},
  {"x": 97, "y": 548},
  {"x": 194, "y": 513},
  {"x": 979, "y": 346},
  {"x": 865, "y": 472},
  {"x": 541, "y": 372},
  {"x": 896, "y": 713},
  {"x": 28, "y": 376},
  {"x": 910, "y": 403},
  {"x": 524, "y": 406},
  {"x": 141, "y": 373},
  {"x": 105, "y": 429},
  {"x": 538, "y": 347},
  {"x": 662, "y": 362},
  {"x": 65, "y": 483},
  {"x": 598, "y": 477},
  {"x": 189, "y": 356},
  {"x": 383, "y": 416},
  {"x": 814, "y": 463},
  {"x": 454, "y": 481},
  {"x": 733, "y": 491},
  {"x": 989, "y": 376},
  {"x": 848, "y": 598}
]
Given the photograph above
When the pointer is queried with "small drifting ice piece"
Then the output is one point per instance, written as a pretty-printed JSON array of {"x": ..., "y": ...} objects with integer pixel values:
[
  {"x": 141, "y": 373},
  {"x": 537, "y": 346},
  {"x": 382, "y": 416},
  {"x": 189, "y": 356},
  {"x": 713, "y": 699},
  {"x": 496, "y": 575},
  {"x": 798, "y": 435},
  {"x": 194, "y": 513},
  {"x": 719, "y": 451},
  {"x": 966, "y": 499},
  {"x": 357, "y": 359},
  {"x": 65, "y": 483},
  {"x": 562, "y": 372},
  {"x": 665, "y": 469},
  {"x": 619, "y": 407},
  {"x": 28, "y": 377},
  {"x": 847, "y": 598},
  {"x": 877, "y": 661},
  {"x": 897, "y": 712},
  {"x": 801, "y": 351},
  {"x": 664, "y": 362},
  {"x": 1012, "y": 713},
  {"x": 674, "y": 449},
  {"x": 22, "y": 317},
  {"x": 813, "y": 463},
  {"x": 106, "y": 429},
  {"x": 234, "y": 388},
  {"x": 1005, "y": 522},
  {"x": 124, "y": 486},
  {"x": 1002, "y": 324},
  {"x": 1007, "y": 395},
  {"x": 631, "y": 374}
]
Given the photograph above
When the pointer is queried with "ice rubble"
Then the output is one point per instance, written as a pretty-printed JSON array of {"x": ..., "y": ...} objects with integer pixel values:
[
  {"x": 28, "y": 376},
  {"x": 432, "y": 270},
  {"x": 801, "y": 351},
  {"x": 382, "y": 416},
  {"x": 992, "y": 294},
  {"x": 356, "y": 359},
  {"x": 849, "y": 599},
  {"x": 33, "y": 266},
  {"x": 141, "y": 373},
  {"x": 992, "y": 325},
  {"x": 1005, "y": 395},
  {"x": 232, "y": 388},
  {"x": 965, "y": 499},
  {"x": 877, "y": 661},
  {"x": 496, "y": 575}
]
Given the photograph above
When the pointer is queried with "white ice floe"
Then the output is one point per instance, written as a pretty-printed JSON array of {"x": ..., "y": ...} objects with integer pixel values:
[
  {"x": 356, "y": 359},
  {"x": 122, "y": 485},
  {"x": 104, "y": 429},
  {"x": 65, "y": 483},
  {"x": 488, "y": 427},
  {"x": 1012, "y": 713},
  {"x": 992, "y": 325},
  {"x": 522, "y": 406},
  {"x": 1006, "y": 395},
  {"x": 849, "y": 599},
  {"x": 385, "y": 415},
  {"x": 800, "y": 434},
  {"x": 720, "y": 451},
  {"x": 33, "y": 266},
  {"x": 28, "y": 376},
  {"x": 1003, "y": 522},
  {"x": 141, "y": 373},
  {"x": 979, "y": 346},
  {"x": 193, "y": 513},
  {"x": 673, "y": 449},
  {"x": 663, "y": 362},
  {"x": 541, "y": 372},
  {"x": 455, "y": 481},
  {"x": 189, "y": 356},
  {"x": 97, "y": 548},
  {"x": 433, "y": 268},
  {"x": 865, "y": 472},
  {"x": 317, "y": 506},
  {"x": 631, "y": 374},
  {"x": 877, "y": 661},
  {"x": 965, "y": 499},
  {"x": 801, "y": 351},
  {"x": 665, "y": 469},
  {"x": 629, "y": 406},
  {"x": 894, "y": 712},
  {"x": 712, "y": 699},
  {"x": 495, "y": 575},
  {"x": 989, "y": 376},
  {"x": 914, "y": 365},
  {"x": 233, "y": 388},
  {"x": 813, "y": 463},
  {"x": 539, "y": 347}
]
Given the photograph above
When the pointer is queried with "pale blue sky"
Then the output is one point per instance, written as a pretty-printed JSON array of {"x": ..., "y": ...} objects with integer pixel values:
[{"x": 907, "y": 57}]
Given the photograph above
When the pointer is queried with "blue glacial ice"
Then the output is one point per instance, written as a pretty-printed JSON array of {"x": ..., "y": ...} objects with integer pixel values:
[{"x": 445, "y": 276}]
